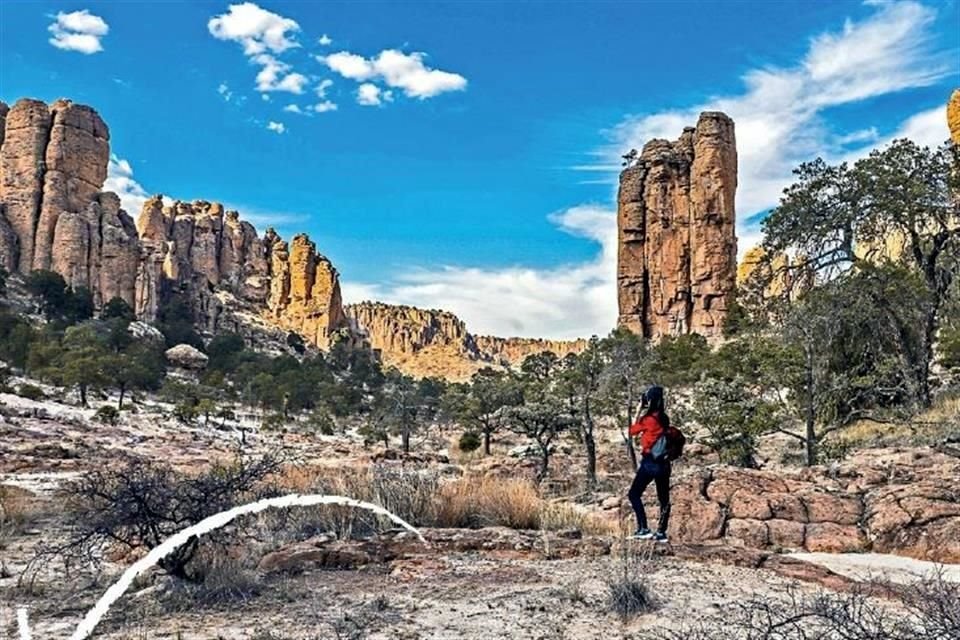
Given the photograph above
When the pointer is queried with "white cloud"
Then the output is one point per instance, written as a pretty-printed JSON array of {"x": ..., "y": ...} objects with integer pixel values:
[
  {"x": 258, "y": 30},
  {"x": 570, "y": 301},
  {"x": 275, "y": 75},
  {"x": 78, "y": 31},
  {"x": 368, "y": 95},
  {"x": 324, "y": 40},
  {"x": 322, "y": 87},
  {"x": 292, "y": 108},
  {"x": 324, "y": 107},
  {"x": 276, "y": 127},
  {"x": 224, "y": 91},
  {"x": 120, "y": 181},
  {"x": 263, "y": 35},
  {"x": 780, "y": 113},
  {"x": 779, "y": 124},
  {"x": 398, "y": 70}
]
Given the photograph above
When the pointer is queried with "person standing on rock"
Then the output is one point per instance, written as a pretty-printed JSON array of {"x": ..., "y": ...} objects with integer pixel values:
[{"x": 659, "y": 445}]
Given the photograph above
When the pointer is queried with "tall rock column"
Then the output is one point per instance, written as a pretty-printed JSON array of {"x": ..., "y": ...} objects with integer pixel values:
[
  {"x": 676, "y": 263},
  {"x": 22, "y": 169},
  {"x": 75, "y": 168}
]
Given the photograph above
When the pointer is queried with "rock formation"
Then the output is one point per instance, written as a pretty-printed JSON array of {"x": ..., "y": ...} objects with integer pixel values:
[
  {"x": 429, "y": 342},
  {"x": 953, "y": 116},
  {"x": 53, "y": 215},
  {"x": 677, "y": 242},
  {"x": 774, "y": 273},
  {"x": 53, "y": 163},
  {"x": 887, "y": 501}
]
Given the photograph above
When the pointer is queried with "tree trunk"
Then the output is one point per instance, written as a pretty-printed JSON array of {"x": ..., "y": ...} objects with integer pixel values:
[
  {"x": 123, "y": 390},
  {"x": 486, "y": 441},
  {"x": 810, "y": 417},
  {"x": 590, "y": 445},
  {"x": 544, "y": 462},
  {"x": 405, "y": 438},
  {"x": 83, "y": 395},
  {"x": 929, "y": 334}
]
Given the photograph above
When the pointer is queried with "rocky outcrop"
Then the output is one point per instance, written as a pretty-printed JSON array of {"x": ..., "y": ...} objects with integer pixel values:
[
  {"x": 509, "y": 352},
  {"x": 677, "y": 242},
  {"x": 887, "y": 501},
  {"x": 305, "y": 291},
  {"x": 430, "y": 342}
]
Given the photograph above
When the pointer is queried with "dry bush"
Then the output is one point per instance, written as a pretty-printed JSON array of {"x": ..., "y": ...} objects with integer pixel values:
[
  {"x": 419, "y": 497},
  {"x": 486, "y": 501},
  {"x": 220, "y": 580},
  {"x": 407, "y": 493},
  {"x": 939, "y": 423},
  {"x": 139, "y": 504},
  {"x": 930, "y": 610},
  {"x": 556, "y": 516},
  {"x": 18, "y": 508}
]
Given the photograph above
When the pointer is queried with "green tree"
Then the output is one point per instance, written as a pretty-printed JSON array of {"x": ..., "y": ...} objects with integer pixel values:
[
  {"x": 225, "y": 352},
  {"x": 580, "y": 383},
  {"x": 83, "y": 361},
  {"x": 541, "y": 420},
  {"x": 117, "y": 308},
  {"x": 838, "y": 218},
  {"x": 627, "y": 372},
  {"x": 478, "y": 406},
  {"x": 733, "y": 418},
  {"x": 840, "y": 362},
  {"x": 51, "y": 288},
  {"x": 175, "y": 321},
  {"x": 140, "y": 367}
]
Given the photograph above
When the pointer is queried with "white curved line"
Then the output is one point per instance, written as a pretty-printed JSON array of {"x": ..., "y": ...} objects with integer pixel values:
[
  {"x": 93, "y": 617},
  {"x": 23, "y": 624}
]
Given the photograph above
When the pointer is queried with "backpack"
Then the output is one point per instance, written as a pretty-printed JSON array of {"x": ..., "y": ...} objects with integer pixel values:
[{"x": 669, "y": 446}]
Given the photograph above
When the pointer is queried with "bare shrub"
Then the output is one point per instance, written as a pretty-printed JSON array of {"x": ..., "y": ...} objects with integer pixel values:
[
  {"x": 140, "y": 504},
  {"x": 931, "y": 612},
  {"x": 629, "y": 597}
]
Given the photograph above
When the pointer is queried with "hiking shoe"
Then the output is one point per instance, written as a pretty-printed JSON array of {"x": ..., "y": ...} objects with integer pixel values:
[
  {"x": 643, "y": 534},
  {"x": 659, "y": 537}
]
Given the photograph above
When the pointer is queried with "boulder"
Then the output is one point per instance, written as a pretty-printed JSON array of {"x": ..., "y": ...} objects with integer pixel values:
[
  {"x": 187, "y": 357},
  {"x": 144, "y": 331}
]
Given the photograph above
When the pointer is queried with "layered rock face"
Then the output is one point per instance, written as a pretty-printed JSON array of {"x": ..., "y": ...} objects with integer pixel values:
[
  {"x": 677, "y": 242},
  {"x": 429, "y": 342}
]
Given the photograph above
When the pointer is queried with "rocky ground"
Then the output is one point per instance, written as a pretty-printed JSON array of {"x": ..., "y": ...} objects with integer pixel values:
[{"x": 736, "y": 534}]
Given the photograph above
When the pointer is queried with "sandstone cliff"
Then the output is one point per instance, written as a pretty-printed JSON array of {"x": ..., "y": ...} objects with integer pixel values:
[
  {"x": 677, "y": 241},
  {"x": 53, "y": 215},
  {"x": 53, "y": 162},
  {"x": 429, "y": 342}
]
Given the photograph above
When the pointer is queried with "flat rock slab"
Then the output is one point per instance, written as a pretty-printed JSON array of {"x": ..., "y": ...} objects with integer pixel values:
[{"x": 868, "y": 566}]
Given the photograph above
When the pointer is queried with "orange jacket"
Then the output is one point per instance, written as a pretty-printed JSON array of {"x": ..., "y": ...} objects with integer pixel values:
[{"x": 649, "y": 429}]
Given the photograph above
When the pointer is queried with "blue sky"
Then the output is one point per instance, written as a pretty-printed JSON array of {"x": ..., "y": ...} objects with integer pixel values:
[{"x": 464, "y": 155}]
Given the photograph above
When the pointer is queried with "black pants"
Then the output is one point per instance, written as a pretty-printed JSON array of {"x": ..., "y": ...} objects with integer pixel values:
[{"x": 659, "y": 473}]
